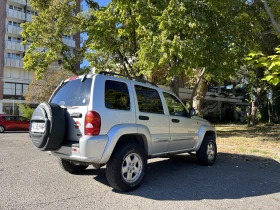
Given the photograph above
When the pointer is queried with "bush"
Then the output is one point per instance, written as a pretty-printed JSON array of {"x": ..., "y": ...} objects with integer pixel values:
[{"x": 26, "y": 110}]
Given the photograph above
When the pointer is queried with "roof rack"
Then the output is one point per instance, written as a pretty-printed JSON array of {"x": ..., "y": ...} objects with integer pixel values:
[{"x": 126, "y": 76}]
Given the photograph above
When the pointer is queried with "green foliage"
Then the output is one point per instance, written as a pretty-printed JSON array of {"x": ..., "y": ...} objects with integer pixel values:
[
  {"x": 26, "y": 110},
  {"x": 271, "y": 64},
  {"x": 44, "y": 36},
  {"x": 186, "y": 35},
  {"x": 136, "y": 37}
]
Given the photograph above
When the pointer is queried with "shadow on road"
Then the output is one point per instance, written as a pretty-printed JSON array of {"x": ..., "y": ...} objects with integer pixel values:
[
  {"x": 181, "y": 178},
  {"x": 9, "y": 132}
]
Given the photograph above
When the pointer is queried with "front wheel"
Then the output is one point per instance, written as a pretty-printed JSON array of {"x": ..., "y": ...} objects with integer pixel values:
[
  {"x": 2, "y": 129},
  {"x": 126, "y": 168},
  {"x": 71, "y": 167},
  {"x": 207, "y": 153}
]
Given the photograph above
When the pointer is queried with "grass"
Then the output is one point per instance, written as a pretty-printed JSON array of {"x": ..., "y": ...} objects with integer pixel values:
[{"x": 263, "y": 141}]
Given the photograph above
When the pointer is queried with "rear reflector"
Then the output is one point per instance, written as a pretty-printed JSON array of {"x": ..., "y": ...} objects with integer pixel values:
[{"x": 92, "y": 123}]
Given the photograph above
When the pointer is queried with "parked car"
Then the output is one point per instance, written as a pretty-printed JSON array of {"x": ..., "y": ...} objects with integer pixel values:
[
  {"x": 13, "y": 123},
  {"x": 104, "y": 119}
]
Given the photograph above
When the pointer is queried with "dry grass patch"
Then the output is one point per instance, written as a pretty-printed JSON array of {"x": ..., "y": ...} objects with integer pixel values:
[{"x": 261, "y": 141}]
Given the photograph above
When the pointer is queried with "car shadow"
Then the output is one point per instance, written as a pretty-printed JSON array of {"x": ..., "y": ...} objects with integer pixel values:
[
  {"x": 9, "y": 132},
  {"x": 181, "y": 178}
]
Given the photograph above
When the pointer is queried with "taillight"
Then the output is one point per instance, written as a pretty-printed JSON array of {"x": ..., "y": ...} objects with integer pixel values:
[{"x": 92, "y": 123}]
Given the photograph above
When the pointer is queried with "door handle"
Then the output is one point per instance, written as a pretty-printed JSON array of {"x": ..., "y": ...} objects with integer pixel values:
[
  {"x": 141, "y": 117},
  {"x": 175, "y": 120}
]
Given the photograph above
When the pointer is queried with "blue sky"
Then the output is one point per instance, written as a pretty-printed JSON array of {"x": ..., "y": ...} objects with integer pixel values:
[{"x": 101, "y": 3}]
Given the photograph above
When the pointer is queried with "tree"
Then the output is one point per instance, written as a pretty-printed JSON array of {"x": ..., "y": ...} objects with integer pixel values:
[
  {"x": 205, "y": 39},
  {"x": 40, "y": 90},
  {"x": 261, "y": 59},
  {"x": 56, "y": 18},
  {"x": 269, "y": 59},
  {"x": 202, "y": 39}
]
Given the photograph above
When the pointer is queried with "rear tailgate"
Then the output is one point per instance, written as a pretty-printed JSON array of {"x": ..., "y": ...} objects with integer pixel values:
[{"x": 74, "y": 95}]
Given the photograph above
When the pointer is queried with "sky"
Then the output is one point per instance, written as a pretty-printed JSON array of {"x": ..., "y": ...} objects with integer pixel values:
[{"x": 84, "y": 5}]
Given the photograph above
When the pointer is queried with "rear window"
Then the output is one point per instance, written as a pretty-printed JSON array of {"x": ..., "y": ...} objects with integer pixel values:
[{"x": 73, "y": 93}]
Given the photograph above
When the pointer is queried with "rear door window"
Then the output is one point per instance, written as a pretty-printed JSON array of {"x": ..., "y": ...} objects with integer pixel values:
[{"x": 73, "y": 93}]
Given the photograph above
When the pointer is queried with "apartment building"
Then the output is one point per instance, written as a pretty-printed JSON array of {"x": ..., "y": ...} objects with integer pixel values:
[{"x": 13, "y": 78}]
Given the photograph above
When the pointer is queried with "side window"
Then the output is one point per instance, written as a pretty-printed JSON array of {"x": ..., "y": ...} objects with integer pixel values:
[
  {"x": 148, "y": 100},
  {"x": 18, "y": 119},
  {"x": 116, "y": 95},
  {"x": 175, "y": 107},
  {"x": 9, "y": 118}
]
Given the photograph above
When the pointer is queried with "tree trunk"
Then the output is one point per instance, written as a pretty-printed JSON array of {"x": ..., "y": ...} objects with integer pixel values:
[
  {"x": 174, "y": 85},
  {"x": 194, "y": 92},
  {"x": 255, "y": 105},
  {"x": 198, "y": 99}
]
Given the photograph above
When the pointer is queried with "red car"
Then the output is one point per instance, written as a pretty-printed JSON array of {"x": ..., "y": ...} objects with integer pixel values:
[{"x": 13, "y": 123}]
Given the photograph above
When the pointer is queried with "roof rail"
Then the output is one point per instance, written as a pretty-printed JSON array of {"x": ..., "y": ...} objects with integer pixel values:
[{"x": 126, "y": 76}]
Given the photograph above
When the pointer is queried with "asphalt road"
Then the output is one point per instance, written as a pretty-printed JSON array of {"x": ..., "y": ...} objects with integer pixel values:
[{"x": 30, "y": 179}]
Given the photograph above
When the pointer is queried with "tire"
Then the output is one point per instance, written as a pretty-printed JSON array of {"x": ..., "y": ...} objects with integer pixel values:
[
  {"x": 122, "y": 176},
  {"x": 70, "y": 167},
  {"x": 207, "y": 153},
  {"x": 2, "y": 129},
  {"x": 54, "y": 118}
]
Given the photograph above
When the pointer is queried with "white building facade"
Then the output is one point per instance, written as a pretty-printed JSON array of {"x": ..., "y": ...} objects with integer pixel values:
[{"x": 13, "y": 78}]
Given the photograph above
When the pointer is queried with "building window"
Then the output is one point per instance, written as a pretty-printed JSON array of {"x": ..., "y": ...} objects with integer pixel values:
[
  {"x": 14, "y": 90},
  {"x": 15, "y": 8},
  {"x": 66, "y": 37},
  {"x": 14, "y": 56},
  {"x": 14, "y": 23},
  {"x": 14, "y": 39},
  {"x": 31, "y": 12}
]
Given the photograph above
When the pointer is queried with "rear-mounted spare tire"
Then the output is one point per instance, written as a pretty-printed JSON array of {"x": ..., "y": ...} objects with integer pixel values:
[{"x": 47, "y": 127}]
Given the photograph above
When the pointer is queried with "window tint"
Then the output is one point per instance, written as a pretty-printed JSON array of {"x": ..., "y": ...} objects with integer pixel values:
[
  {"x": 10, "y": 118},
  {"x": 175, "y": 107},
  {"x": 73, "y": 93},
  {"x": 148, "y": 100},
  {"x": 116, "y": 95},
  {"x": 21, "y": 119}
]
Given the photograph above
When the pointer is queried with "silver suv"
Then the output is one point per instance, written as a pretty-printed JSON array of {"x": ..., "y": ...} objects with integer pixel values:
[{"x": 105, "y": 119}]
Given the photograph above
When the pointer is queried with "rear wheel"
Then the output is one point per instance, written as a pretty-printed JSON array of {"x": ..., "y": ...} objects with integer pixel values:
[
  {"x": 126, "y": 168},
  {"x": 71, "y": 167},
  {"x": 207, "y": 153},
  {"x": 2, "y": 129}
]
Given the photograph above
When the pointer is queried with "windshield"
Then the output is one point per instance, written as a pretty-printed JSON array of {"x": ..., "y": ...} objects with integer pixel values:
[{"x": 73, "y": 93}]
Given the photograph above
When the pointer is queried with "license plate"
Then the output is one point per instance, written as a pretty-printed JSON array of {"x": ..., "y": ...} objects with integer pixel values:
[{"x": 38, "y": 127}]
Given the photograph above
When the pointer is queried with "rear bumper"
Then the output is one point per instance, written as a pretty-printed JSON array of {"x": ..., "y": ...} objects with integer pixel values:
[{"x": 89, "y": 149}]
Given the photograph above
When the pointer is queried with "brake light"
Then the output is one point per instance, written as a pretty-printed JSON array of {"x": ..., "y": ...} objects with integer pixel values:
[
  {"x": 92, "y": 123},
  {"x": 73, "y": 78}
]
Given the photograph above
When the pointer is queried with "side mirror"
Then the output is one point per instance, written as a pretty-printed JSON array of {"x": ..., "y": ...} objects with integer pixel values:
[{"x": 192, "y": 112}]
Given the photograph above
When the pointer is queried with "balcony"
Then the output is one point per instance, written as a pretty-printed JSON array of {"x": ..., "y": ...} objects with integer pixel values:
[
  {"x": 16, "y": 14},
  {"x": 69, "y": 42},
  {"x": 19, "y": 2},
  {"x": 13, "y": 63},
  {"x": 14, "y": 46},
  {"x": 13, "y": 29}
]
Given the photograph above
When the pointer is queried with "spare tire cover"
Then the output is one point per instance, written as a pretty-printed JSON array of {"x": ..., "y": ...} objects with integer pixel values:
[{"x": 47, "y": 126}]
